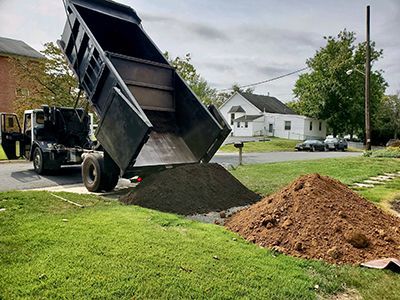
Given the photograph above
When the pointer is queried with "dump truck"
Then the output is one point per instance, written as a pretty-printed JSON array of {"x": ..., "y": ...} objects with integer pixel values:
[
  {"x": 49, "y": 137},
  {"x": 149, "y": 119}
]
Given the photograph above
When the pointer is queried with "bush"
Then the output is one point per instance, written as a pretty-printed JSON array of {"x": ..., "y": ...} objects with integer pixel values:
[{"x": 389, "y": 152}]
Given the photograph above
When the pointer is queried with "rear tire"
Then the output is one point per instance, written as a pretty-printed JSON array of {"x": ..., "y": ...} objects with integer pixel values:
[{"x": 96, "y": 177}]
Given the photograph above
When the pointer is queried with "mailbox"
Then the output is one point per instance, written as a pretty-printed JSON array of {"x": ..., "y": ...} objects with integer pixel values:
[{"x": 238, "y": 145}]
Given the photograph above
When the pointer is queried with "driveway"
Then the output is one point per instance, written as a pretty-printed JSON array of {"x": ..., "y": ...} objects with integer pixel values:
[{"x": 21, "y": 176}]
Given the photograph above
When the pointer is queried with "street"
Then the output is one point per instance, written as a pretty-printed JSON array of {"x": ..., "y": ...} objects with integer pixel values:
[{"x": 21, "y": 176}]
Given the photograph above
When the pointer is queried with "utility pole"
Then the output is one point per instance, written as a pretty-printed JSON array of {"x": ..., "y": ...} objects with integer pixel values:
[{"x": 367, "y": 85}]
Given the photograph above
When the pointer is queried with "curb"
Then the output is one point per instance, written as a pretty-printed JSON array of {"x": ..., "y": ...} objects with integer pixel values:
[{"x": 16, "y": 161}]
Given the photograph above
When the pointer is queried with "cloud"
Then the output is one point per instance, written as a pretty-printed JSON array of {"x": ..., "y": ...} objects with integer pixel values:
[{"x": 201, "y": 30}]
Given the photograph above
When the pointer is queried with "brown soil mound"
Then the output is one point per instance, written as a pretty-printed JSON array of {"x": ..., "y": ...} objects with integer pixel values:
[
  {"x": 319, "y": 217},
  {"x": 191, "y": 189}
]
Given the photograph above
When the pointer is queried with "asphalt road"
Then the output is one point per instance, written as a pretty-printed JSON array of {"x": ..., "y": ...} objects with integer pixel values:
[{"x": 21, "y": 176}]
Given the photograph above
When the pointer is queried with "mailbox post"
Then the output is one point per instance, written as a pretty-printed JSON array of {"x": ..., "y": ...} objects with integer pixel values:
[{"x": 239, "y": 145}]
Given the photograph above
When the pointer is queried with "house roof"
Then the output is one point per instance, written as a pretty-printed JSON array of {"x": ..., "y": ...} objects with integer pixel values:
[
  {"x": 16, "y": 47},
  {"x": 268, "y": 104},
  {"x": 247, "y": 118},
  {"x": 236, "y": 109}
]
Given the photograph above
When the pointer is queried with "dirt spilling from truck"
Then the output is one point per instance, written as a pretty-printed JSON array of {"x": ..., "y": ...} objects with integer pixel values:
[
  {"x": 191, "y": 189},
  {"x": 320, "y": 218}
]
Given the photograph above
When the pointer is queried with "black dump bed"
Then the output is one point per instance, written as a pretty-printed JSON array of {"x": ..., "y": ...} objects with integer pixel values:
[{"x": 148, "y": 115}]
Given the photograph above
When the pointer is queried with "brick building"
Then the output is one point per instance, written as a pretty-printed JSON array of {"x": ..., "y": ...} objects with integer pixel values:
[{"x": 9, "y": 90}]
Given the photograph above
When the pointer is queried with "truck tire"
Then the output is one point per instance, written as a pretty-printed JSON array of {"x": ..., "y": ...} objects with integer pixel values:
[
  {"x": 38, "y": 163},
  {"x": 95, "y": 176}
]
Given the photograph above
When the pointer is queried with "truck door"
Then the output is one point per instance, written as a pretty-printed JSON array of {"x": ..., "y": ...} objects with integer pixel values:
[
  {"x": 28, "y": 133},
  {"x": 10, "y": 135}
]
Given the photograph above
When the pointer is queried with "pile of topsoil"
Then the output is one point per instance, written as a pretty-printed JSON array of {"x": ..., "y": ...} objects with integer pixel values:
[
  {"x": 319, "y": 217},
  {"x": 191, "y": 189}
]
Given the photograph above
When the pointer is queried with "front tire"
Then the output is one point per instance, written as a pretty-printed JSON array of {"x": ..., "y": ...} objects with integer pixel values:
[{"x": 38, "y": 163}]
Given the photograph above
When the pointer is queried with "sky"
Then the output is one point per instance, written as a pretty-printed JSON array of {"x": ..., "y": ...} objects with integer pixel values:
[{"x": 234, "y": 41}]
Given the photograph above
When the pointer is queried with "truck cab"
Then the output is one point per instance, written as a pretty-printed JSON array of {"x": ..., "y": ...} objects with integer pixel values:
[{"x": 50, "y": 136}]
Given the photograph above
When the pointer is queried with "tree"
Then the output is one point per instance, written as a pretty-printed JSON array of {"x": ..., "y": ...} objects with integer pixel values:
[
  {"x": 49, "y": 80},
  {"x": 198, "y": 84},
  {"x": 327, "y": 92},
  {"x": 225, "y": 95},
  {"x": 388, "y": 117}
]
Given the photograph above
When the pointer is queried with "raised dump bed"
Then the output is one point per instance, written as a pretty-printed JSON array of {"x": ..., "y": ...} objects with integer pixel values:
[{"x": 149, "y": 118}]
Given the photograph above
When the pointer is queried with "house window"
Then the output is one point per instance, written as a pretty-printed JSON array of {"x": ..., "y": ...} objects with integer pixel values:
[
  {"x": 270, "y": 127},
  {"x": 288, "y": 125},
  {"x": 238, "y": 124},
  {"x": 310, "y": 125},
  {"x": 320, "y": 126},
  {"x": 246, "y": 124},
  {"x": 232, "y": 118}
]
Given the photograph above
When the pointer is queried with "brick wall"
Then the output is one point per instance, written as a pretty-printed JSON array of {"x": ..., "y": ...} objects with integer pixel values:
[{"x": 7, "y": 85}]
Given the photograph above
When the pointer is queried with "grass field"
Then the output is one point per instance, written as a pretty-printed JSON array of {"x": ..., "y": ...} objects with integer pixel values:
[
  {"x": 274, "y": 145},
  {"x": 267, "y": 178},
  {"x": 50, "y": 249},
  {"x": 2, "y": 153}
]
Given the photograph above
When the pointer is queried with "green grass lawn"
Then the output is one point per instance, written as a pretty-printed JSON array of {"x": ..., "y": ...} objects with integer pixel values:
[
  {"x": 274, "y": 145},
  {"x": 50, "y": 249},
  {"x": 268, "y": 178},
  {"x": 2, "y": 153}
]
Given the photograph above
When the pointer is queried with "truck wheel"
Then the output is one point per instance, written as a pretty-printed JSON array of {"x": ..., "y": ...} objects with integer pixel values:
[
  {"x": 111, "y": 183},
  {"x": 92, "y": 172},
  {"x": 95, "y": 176},
  {"x": 38, "y": 163}
]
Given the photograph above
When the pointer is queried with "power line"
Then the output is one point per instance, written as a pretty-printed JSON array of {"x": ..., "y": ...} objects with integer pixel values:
[{"x": 267, "y": 80}]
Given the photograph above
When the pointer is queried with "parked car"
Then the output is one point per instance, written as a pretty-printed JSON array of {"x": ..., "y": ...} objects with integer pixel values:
[
  {"x": 310, "y": 145},
  {"x": 335, "y": 144}
]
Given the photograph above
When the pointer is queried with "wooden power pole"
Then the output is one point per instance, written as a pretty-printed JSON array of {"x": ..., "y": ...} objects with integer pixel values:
[{"x": 367, "y": 85}]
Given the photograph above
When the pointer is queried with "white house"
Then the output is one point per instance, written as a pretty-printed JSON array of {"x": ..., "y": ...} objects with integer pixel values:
[{"x": 258, "y": 115}]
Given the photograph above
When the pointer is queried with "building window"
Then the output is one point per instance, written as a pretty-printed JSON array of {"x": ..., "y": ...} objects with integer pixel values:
[
  {"x": 246, "y": 124},
  {"x": 310, "y": 125},
  {"x": 270, "y": 127},
  {"x": 320, "y": 126},
  {"x": 232, "y": 118},
  {"x": 238, "y": 124},
  {"x": 288, "y": 125}
]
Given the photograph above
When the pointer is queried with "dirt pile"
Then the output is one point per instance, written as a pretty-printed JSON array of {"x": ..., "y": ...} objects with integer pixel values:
[
  {"x": 191, "y": 189},
  {"x": 319, "y": 217}
]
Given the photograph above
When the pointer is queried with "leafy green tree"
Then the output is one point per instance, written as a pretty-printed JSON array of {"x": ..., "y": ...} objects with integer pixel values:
[
  {"x": 388, "y": 116},
  {"x": 49, "y": 80},
  {"x": 225, "y": 95},
  {"x": 198, "y": 84},
  {"x": 328, "y": 92}
]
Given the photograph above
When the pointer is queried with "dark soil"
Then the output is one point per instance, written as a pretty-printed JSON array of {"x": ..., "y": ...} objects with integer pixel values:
[
  {"x": 191, "y": 189},
  {"x": 396, "y": 205},
  {"x": 319, "y": 217}
]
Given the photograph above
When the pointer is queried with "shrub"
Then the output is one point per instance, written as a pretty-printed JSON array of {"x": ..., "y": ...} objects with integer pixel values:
[{"x": 389, "y": 152}]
